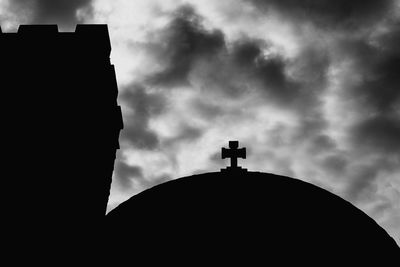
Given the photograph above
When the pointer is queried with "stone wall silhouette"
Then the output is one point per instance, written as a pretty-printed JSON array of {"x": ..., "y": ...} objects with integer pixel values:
[{"x": 60, "y": 128}]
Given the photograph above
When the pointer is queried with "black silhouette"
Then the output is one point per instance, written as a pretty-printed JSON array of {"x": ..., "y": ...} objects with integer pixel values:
[
  {"x": 60, "y": 128},
  {"x": 246, "y": 218},
  {"x": 233, "y": 153},
  {"x": 60, "y": 132}
]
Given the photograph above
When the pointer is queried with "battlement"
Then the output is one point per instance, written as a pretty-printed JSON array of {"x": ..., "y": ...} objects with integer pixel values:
[{"x": 87, "y": 37}]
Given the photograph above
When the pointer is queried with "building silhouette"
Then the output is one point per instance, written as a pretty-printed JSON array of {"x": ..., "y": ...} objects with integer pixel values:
[
  {"x": 60, "y": 128},
  {"x": 240, "y": 218}
]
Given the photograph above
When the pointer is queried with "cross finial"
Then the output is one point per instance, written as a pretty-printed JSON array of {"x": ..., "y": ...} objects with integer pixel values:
[{"x": 233, "y": 152}]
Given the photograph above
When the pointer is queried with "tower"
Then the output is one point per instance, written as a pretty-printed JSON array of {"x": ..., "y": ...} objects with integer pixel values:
[{"x": 60, "y": 124}]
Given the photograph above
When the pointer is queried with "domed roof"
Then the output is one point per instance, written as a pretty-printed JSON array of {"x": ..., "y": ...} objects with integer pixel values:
[{"x": 249, "y": 213}]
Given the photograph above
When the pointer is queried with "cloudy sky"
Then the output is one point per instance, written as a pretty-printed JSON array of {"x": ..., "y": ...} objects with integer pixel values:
[{"x": 311, "y": 88}]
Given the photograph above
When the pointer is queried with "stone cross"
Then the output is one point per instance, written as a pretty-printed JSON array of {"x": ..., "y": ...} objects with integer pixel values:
[{"x": 233, "y": 152}]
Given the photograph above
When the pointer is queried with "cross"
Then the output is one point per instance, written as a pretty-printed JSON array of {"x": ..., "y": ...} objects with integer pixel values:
[{"x": 233, "y": 152}]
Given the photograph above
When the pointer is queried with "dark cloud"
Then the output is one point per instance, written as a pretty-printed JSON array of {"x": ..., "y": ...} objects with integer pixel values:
[
  {"x": 391, "y": 37},
  {"x": 244, "y": 67},
  {"x": 186, "y": 133},
  {"x": 206, "y": 109},
  {"x": 190, "y": 53},
  {"x": 338, "y": 14},
  {"x": 62, "y": 12},
  {"x": 380, "y": 132},
  {"x": 380, "y": 87},
  {"x": 216, "y": 158},
  {"x": 301, "y": 88},
  {"x": 246, "y": 52},
  {"x": 125, "y": 173},
  {"x": 184, "y": 41},
  {"x": 313, "y": 123},
  {"x": 321, "y": 143},
  {"x": 377, "y": 94},
  {"x": 363, "y": 182},
  {"x": 142, "y": 107},
  {"x": 311, "y": 65},
  {"x": 335, "y": 164},
  {"x": 290, "y": 84},
  {"x": 248, "y": 56},
  {"x": 193, "y": 54}
]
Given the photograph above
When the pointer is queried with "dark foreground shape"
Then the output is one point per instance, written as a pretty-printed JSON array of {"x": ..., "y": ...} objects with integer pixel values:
[
  {"x": 244, "y": 217},
  {"x": 60, "y": 125}
]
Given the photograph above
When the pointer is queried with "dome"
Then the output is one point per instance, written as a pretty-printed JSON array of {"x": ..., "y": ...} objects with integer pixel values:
[{"x": 239, "y": 215}]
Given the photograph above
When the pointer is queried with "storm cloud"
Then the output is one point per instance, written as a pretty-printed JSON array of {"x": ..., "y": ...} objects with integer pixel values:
[
  {"x": 376, "y": 93},
  {"x": 372, "y": 90},
  {"x": 141, "y": 107},
  {"x": 181, "y": 44},
  {"x": 125, "y": 174},
  {"x": 340, "y": 14},
  {"x": 193, "y": 55}
]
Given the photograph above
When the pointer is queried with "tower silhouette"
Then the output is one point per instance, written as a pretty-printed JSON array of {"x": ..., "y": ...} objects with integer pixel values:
[{"x": 60, "y": 128}]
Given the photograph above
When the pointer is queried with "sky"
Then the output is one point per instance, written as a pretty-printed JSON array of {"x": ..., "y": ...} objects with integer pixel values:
[{"x": 310, "y": 88}]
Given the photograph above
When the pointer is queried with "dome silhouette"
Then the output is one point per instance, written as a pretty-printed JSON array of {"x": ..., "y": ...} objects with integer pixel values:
[{"x": 235, "y": 216}]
